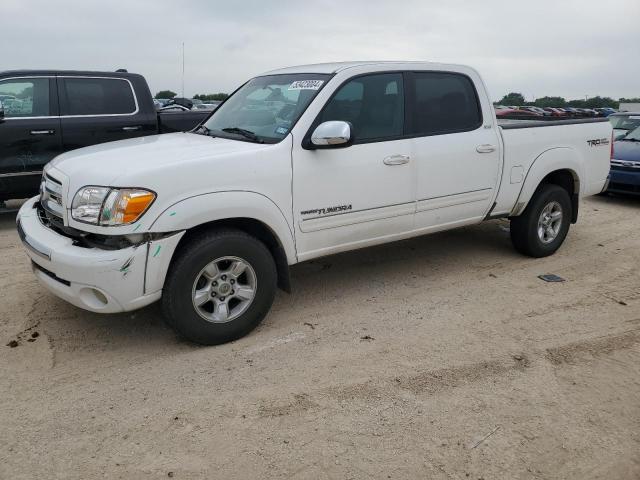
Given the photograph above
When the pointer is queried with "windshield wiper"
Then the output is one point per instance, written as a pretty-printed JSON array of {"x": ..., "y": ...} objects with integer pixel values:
[{"x": 245, "y": 133}]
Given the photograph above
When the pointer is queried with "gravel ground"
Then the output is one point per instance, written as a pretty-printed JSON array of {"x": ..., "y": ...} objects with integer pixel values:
[{"x": 440, "y": 357}]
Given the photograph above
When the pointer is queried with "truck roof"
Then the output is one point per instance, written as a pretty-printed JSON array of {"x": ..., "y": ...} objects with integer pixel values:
[
  {"x": 22, "y": 73},
  {"x": 339, "y": 66}
]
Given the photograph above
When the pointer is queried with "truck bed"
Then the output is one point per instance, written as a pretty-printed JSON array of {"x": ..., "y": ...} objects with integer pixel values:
[{"x": 585, "y": 140}]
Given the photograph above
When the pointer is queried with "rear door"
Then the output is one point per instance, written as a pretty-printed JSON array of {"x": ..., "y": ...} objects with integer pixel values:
[
  {"x": 29, "y": 133},
  {"x": 456, "y": 149},
  {"x": 100, "y": 109}
]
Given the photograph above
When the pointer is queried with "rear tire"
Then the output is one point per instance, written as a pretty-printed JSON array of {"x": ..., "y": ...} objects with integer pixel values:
[
  {"x": 541, "y": 229},
  {"x": 219, "y": 287}
]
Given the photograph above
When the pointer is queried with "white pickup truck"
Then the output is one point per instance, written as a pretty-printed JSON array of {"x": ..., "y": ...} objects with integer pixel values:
[{"x": 299, "y": 163}]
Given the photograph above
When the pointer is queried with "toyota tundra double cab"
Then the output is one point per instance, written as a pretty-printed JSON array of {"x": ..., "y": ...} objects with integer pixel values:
[{"x": 300, "y": 163}]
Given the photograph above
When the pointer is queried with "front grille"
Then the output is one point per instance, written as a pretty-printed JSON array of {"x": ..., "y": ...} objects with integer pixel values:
[
  {"x": 48, "y": 219},
  {"x": 55, "y": 223},
  {"x": 51, "y": 197},
  {"x": 624, "y": 165}
]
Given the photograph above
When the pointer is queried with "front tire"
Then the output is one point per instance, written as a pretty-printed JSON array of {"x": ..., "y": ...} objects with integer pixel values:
[
  {"x": 219, "y": 287},
  {"x": 541, "y": 229}
]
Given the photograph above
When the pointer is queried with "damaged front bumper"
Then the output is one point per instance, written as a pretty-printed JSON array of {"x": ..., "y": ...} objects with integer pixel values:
[{"x": 95, "y": 279}]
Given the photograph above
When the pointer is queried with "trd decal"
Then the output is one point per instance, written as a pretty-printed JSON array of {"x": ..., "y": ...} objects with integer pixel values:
[
  {"x": 328, "y": 210},
  {"x": 597, "y": 142}
]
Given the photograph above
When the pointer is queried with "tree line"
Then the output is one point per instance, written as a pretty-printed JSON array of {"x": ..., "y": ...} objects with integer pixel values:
[
  {"x": 200, "y": 96},
  {"x": 517, "y": 99}
]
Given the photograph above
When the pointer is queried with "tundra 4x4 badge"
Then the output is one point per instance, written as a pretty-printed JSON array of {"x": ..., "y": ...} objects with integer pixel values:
[
  {"x": 328, "y": 210},
  {"x": 598, "y": 142}
]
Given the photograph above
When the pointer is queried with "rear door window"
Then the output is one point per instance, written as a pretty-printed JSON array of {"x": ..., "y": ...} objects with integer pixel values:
[
  {"x": 25, "y": 97},
  {"x": 98, "y": 96},
  {"x": 443, "y": 103}
]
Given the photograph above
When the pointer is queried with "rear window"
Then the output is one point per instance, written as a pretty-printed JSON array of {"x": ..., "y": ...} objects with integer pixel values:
[
  {"x": 625, "y": 122},
  {"x": 444, "y": 103},
  {"x": 98, "y": 96}
]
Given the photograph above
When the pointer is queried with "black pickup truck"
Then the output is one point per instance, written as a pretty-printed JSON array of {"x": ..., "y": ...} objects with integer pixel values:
[{"x": 44, "y": 113}]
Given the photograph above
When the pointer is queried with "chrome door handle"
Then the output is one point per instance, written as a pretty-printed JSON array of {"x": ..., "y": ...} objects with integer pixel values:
[
  {"x": 131, "y": 129},
  {"x": 396, "y": 159},
  {"x": 486, "y": 148},
  {"x": 42, "y": 132}
]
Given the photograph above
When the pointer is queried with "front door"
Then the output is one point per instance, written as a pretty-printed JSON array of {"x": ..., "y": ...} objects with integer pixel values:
[
  {"x": 363, "y": 194},
  {"x": 29, "y": 133},
  {"x": 457, "y": 154}
]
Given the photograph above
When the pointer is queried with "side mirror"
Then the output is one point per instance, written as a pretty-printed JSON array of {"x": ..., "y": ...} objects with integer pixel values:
[{"x": 332, "y": 134}]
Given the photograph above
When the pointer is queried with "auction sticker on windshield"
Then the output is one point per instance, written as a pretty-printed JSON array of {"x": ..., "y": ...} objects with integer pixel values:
[{"x": 306, "y": 85}]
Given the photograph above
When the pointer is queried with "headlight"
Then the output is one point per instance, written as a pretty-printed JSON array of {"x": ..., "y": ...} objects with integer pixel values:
[
  {"x": 110, "y": 206},
  {"x": 87, "y": 204}
]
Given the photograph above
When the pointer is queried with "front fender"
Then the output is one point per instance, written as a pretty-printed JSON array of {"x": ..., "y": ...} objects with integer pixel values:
[
  {"x": 209, "y": 207},
  {"x": 561, "y": 158}
]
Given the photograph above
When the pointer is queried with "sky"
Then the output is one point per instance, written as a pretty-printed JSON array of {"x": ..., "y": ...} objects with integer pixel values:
[{"x": 570, "y": 48}]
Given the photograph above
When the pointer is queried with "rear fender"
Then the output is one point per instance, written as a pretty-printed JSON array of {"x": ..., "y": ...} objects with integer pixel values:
[{"x": 561, "y": 158}]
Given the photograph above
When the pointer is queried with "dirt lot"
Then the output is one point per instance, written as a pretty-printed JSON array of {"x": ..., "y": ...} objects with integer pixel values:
[{"x": 439, "y": 357}]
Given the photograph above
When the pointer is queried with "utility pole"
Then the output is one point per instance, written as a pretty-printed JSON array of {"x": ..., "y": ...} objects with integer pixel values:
[{"x": 183, "y": 70}]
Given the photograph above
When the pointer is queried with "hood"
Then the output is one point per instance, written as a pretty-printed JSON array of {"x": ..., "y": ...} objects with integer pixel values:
[
  {"x": 175, "y": 166},
  {"x": 626, "y": 150},
  {"x": 110, "y": 162}
]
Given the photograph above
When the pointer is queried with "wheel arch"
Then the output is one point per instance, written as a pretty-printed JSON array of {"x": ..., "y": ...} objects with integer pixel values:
[
  {"x": 250, "y": 212},
  {"x": 256, "y": 229},
  {"x": 558, "y": 166}
]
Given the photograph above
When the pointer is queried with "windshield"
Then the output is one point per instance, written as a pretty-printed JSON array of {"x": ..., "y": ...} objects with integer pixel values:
[
  {"x": 632, "y": 135},
  {"x": 265, "y": 109},
  {"x": 625, "y": 122}
]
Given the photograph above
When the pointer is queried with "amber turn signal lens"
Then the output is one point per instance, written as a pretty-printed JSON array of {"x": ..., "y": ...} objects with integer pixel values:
[
  {"x": 125, "y": 206},
  {"x": 135, "y": 204}
]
